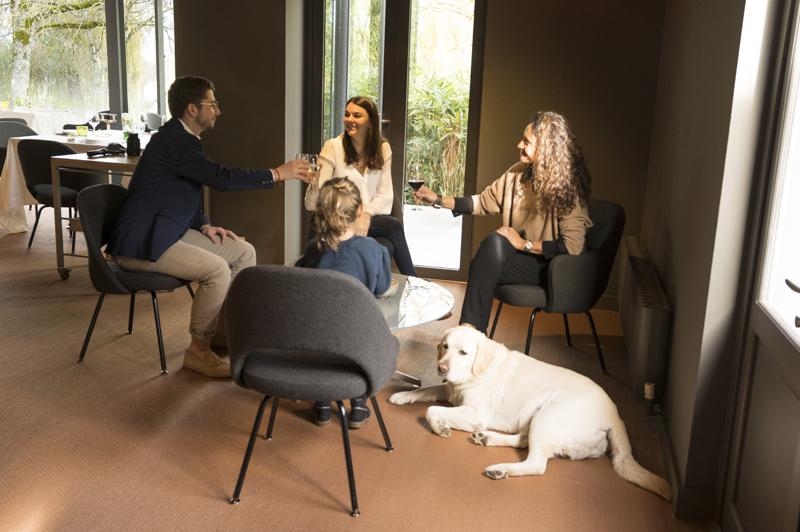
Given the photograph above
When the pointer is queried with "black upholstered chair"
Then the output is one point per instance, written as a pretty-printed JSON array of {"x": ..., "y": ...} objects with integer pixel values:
[
  {"x": 11, "y": 127},
  {"x": 306, "y": 334},
  {"x": 34, "y": 157},
  {"x": 100, "y": 206},
  {"x": 17, "y": 120},
  {"x": 574, "y": 283}
]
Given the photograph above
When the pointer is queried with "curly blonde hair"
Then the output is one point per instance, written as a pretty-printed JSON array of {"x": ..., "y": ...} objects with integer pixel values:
[
  {"x": 338, "y": 207},
  {"x": 559, "y": 174}
]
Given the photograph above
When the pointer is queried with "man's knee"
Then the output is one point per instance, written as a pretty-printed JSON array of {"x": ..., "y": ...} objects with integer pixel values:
[{"x": 247, "y": 256}]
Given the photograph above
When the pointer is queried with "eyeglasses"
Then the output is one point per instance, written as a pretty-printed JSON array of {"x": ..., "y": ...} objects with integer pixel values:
[{"x": 214, "y": 104}]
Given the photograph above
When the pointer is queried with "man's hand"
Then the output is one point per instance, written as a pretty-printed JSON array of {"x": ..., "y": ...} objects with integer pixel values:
[
  {"x": 295, "y": 169},
  {"x": 512, "y": 236},
  {"x": 362, "y": 224},
  {"x": 217, "y": 234}
]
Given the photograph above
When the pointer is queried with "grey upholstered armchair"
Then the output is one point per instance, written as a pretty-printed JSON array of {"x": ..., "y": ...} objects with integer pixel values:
[
  {"x": 307, "y": 334},
  {"x": 575, "y": 283}
]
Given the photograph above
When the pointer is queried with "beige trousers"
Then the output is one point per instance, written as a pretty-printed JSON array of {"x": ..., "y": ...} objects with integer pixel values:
[{"x": 196, "y": 258}]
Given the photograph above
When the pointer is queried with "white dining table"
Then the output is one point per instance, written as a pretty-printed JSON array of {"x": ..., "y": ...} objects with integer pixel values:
[{"x": 14, "y": 195}]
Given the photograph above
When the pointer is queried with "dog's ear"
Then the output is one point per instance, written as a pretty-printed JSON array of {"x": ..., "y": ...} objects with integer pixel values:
[{"x": 485, "y": 351}]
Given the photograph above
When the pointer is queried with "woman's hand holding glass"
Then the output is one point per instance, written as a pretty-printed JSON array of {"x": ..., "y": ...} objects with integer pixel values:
[{"x": 425, "y": 194}]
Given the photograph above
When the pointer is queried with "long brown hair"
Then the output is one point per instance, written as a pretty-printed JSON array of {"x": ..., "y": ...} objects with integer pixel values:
[
  {"x": 559, "y": 173},
  {"x": 373, "y": 155},
  {"x": 338, "y": 205}
]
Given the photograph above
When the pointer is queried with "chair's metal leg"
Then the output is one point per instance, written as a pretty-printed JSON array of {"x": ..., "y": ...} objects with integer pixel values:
[
  {"x": 158, "y": 333},
  {"x": 597, "y": 342},
  {"x": 35, "y": 225},
  {"x": 381, "y": 424},
  {"x": 91, "y": 326},
  {"x": 496, "y": 317},
  {"x": 566, "y": 330},
  {"x": 248, "y": 453},
  {"x": 130, "y": 313},
  {"x": 268, "y": 434},
  {"x": 530, "y": 331},
  {"x": 189, "y": 288},
  {"x": 351, "y": 479}
]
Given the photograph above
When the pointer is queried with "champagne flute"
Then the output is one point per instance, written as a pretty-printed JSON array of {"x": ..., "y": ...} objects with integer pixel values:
[{"x": 311, "y": 159}]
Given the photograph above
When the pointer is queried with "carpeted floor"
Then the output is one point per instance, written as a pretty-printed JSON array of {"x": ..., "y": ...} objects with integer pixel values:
[{"x": 111, "y": 445}]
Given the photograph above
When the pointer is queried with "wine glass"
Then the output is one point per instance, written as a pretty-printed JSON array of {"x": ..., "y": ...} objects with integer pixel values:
[
  {"x": 416, "y": 183},
  {"x": 143, "y": 122},
  {"x": 94, "y": 121}
]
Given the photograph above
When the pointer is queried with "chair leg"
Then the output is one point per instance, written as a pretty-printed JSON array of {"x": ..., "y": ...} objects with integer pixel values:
[
  {"x": 566, "y": 330},
  {"x": 249, "y": 452},
  {"x": 496, "y": 317},
  {"x": 91, "y": 326},
  {"x": 530, "y": 331},
  {"x": 351, "y": 479},
  {"x": 130, "y": 313},
  {"x": 189, "y": 288},
  {"x": 597, "y": 342},
  {"x": 35, "y": 224},
  {"x": 273, "y": 412},
  {"x": 158, "y": 333},
  {"x": 381, "y": 424}
]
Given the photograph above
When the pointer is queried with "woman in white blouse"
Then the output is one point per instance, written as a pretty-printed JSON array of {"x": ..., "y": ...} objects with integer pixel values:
[{"x": 364, "y": 157}]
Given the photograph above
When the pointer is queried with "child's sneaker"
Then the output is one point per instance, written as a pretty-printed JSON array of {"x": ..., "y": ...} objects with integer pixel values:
[
  {"x": 322, "y": 413},
  {"x": 359, "y": 413}
]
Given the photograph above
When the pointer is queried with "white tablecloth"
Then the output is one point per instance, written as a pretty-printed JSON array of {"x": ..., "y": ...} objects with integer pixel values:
[{"x": 14, "y": 195}]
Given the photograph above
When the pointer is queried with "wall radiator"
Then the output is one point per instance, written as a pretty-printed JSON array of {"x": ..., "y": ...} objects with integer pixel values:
[{"x": 646, "y": 320}]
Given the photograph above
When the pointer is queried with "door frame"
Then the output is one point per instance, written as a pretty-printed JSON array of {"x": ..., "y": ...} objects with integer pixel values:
[
  {"x": 393, "y": 104},
  {"x": 752, "y": 321}
]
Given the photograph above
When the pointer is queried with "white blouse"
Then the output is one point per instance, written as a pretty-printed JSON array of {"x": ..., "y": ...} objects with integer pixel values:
[{"x": 375, "y": 186}]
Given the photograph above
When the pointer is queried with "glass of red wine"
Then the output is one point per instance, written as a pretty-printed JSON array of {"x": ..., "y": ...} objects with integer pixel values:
[{"x": 416, "y": 183}]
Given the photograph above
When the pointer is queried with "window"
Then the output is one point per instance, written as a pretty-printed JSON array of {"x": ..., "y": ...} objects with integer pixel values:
[{"x": 54, "y": 61}]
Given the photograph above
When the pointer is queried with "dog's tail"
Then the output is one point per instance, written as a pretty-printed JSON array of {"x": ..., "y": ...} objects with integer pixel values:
[{"x": 628, "y": 468}]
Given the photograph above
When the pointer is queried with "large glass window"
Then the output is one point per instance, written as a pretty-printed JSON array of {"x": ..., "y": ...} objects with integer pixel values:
[
  {"x": 780, "y": 281},
  {"x": 53, "y": 60}
]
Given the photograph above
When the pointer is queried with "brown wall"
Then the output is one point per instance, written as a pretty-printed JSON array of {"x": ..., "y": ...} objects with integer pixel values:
[
  {"x": 241, "y": 47},
  {"x": 597, "y": 64},
  {"x": 694, "y": 227}
]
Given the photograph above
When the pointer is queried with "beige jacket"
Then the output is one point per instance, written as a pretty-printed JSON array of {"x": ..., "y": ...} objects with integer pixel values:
[
  {"x": 375, "y": 186},
  {"x": 516, "y": 202}
]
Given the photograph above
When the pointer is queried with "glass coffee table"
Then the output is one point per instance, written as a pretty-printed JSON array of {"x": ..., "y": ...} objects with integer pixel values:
[{"x": 416, "y": 302}]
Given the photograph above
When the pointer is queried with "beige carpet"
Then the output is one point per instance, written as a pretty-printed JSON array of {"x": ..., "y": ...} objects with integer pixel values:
[{"x": 111, "y": 445}]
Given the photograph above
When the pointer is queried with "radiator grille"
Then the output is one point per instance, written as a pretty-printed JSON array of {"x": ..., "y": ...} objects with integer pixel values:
[{"x": 646, "y": 319}]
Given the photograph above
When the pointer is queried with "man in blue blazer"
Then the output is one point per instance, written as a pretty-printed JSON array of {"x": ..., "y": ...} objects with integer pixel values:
[{"x": 162, "y": 227}]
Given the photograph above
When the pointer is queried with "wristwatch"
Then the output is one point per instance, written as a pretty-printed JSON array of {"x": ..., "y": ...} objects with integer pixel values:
[
  {"x": 437, "y": 204},
  {"x": 528, "y": 246}
]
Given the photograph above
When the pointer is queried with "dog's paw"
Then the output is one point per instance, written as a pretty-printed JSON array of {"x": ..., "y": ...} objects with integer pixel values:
[
  {"x": 402, "y": 398},
  {"x": 496, "y": 472},
  {"x": 439, "y": 426},
  {"x": 479, "y": 438}
]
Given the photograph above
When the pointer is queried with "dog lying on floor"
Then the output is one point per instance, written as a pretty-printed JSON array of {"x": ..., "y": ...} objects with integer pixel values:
[{"x": 506, "y": 398}]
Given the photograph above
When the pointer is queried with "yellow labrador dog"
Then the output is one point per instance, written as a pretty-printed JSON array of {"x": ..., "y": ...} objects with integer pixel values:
[{"x": 509, "y": 399}]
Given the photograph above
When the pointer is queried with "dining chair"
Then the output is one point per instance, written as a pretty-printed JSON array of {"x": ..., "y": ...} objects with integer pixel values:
[
  {"x": 574, "y": 282},
  {"x": 34, "y": 157},
  {"x": 288, "y": 338},
  {"x": 17, "y": 120},
  {"x": 100, "y": 206}
]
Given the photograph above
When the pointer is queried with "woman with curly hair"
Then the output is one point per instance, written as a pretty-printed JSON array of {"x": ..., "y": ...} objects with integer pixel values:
[{"x": 544, "y": 203}]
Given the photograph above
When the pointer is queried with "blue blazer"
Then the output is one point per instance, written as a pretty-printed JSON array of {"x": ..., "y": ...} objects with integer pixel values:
[{"x": 165, "y": 195}]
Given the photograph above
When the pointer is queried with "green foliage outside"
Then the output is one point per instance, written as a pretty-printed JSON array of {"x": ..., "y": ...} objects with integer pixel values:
[{"x": 436, "y": 135}]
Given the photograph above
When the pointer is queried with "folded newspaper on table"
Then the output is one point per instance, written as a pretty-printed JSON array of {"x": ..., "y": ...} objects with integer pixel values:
[{"x": 423, "y": 301}]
